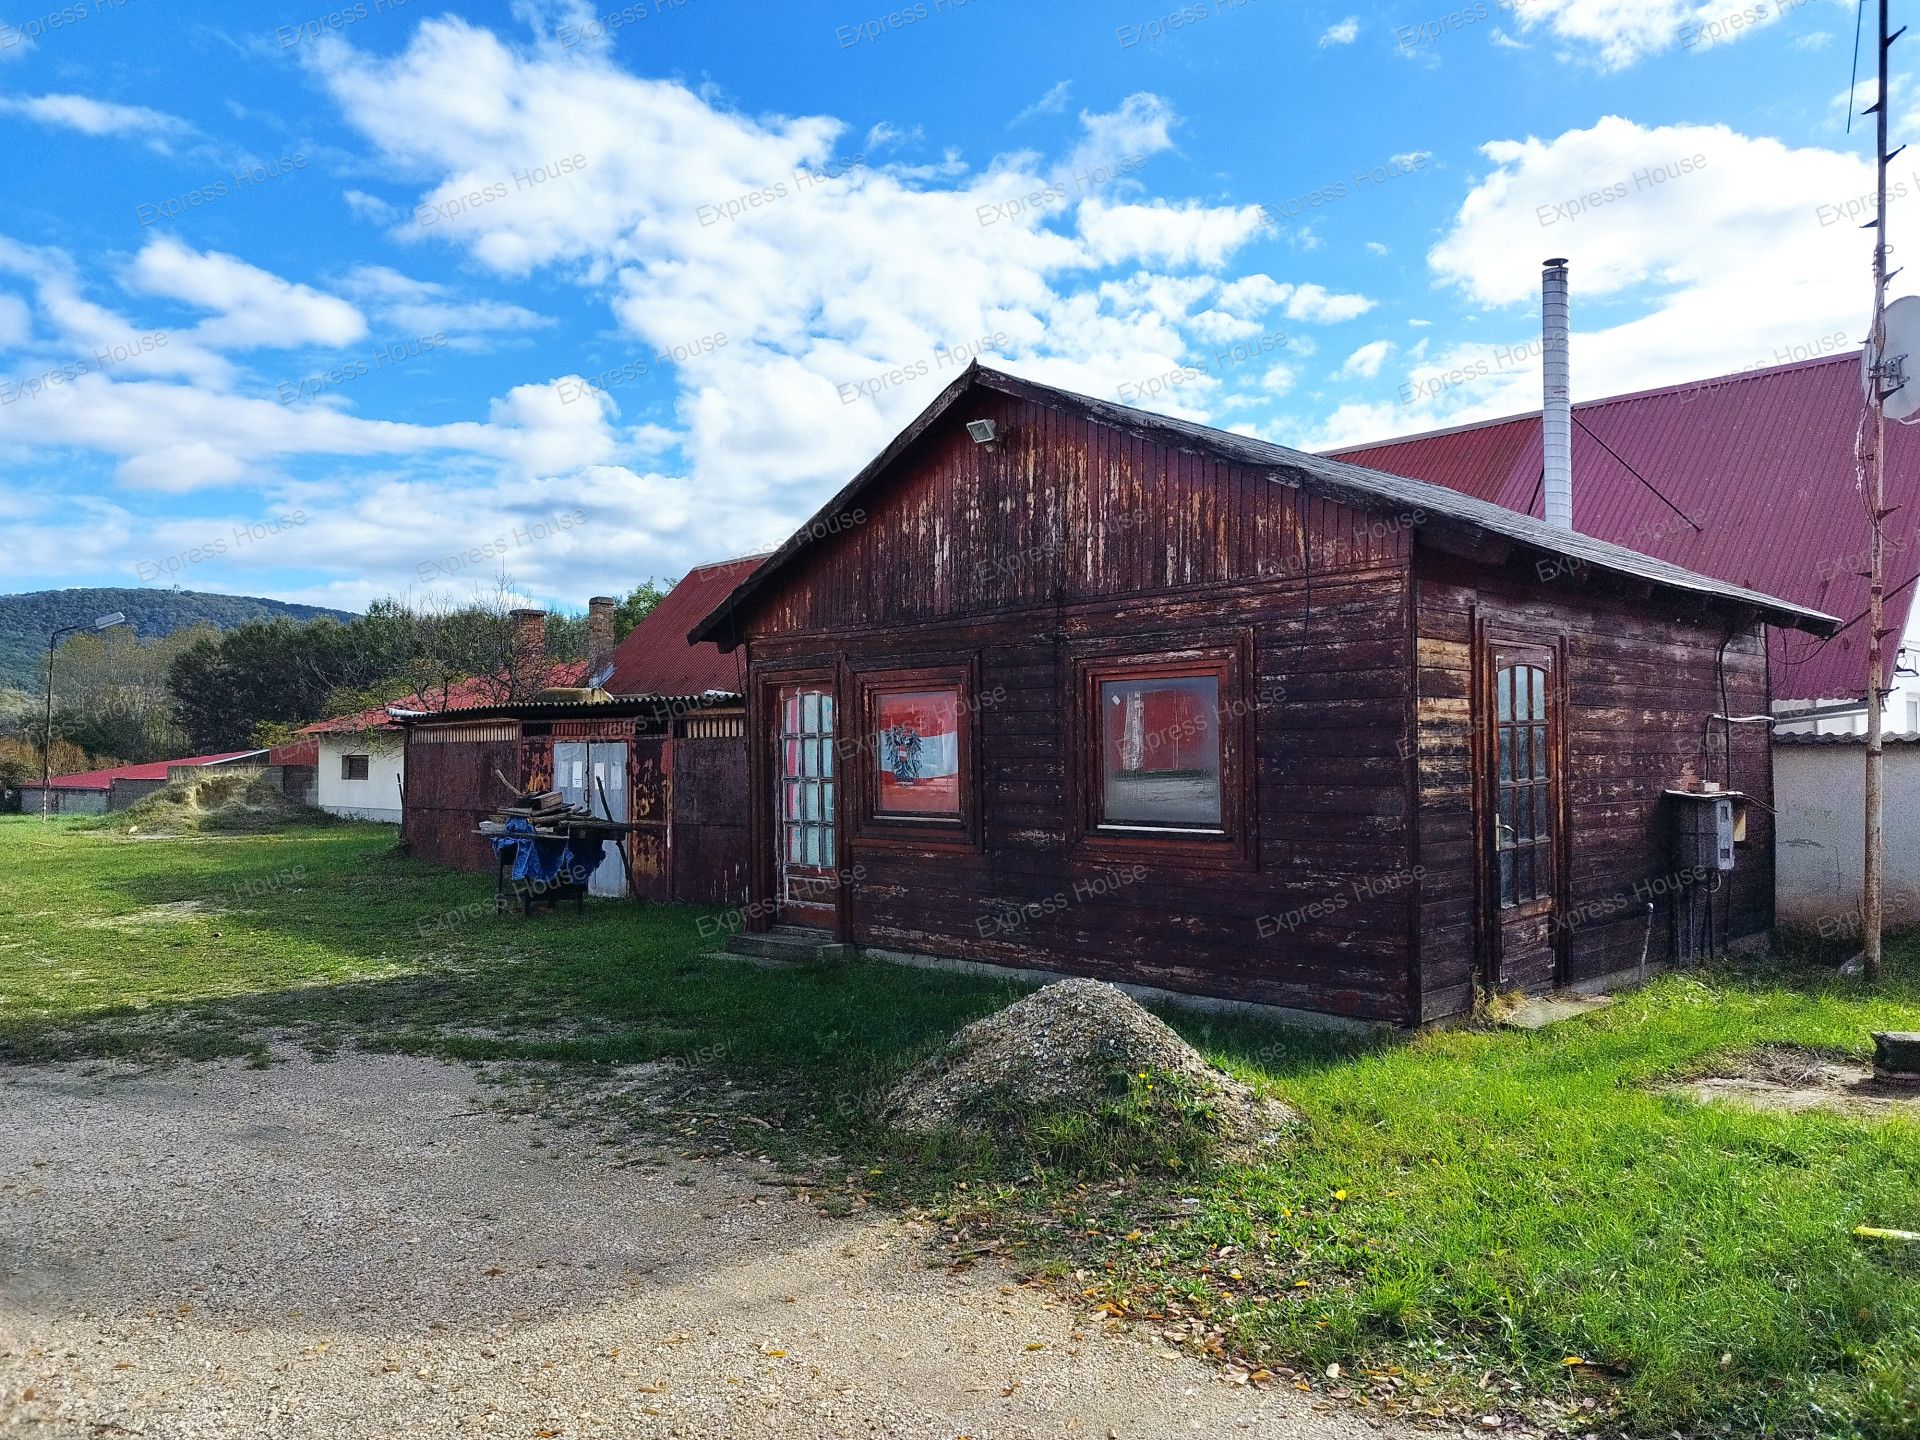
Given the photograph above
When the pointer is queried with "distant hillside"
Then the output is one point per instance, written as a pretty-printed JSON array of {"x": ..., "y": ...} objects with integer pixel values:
[{"x": 25, "y": 620}]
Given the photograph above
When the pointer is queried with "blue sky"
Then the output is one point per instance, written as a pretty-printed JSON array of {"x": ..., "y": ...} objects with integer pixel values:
[{"x": 330, "y": 302}]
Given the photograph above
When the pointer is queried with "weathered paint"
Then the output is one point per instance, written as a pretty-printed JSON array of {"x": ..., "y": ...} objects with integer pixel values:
[{"x": 1361, "y": 888}]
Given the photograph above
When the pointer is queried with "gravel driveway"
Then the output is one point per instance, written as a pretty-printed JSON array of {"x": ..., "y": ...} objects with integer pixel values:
[{"x": 361, "y": 1248}]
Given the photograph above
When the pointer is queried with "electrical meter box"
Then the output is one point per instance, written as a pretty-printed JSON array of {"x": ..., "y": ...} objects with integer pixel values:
[{"x": 1706, "y": 825}]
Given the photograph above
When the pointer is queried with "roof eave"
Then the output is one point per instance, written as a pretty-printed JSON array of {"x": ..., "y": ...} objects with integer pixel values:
[{"x": 1450, "y": 507}]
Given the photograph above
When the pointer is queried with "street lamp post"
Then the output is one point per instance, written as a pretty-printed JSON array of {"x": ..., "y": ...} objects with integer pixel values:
[{"x": 105, "y": 622}]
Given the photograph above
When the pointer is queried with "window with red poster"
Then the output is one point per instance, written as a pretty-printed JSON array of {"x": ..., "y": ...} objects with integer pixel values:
[
  {"x": 1161, "y": 768},
  {"x": 918, "y": 767}
]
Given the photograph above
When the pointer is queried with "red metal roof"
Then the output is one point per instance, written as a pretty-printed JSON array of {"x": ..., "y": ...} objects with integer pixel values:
[
  {"x": 461, "y": 695},
  {"x": 152, "y": 770},
  {"x": 295, "y": 752},
  {"x": 655, "y": 658},
  {"x": 1760, "y": 470}
]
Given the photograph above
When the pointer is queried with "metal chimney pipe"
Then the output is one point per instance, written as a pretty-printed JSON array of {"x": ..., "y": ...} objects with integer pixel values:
[{"x": 1556, "y": 407}]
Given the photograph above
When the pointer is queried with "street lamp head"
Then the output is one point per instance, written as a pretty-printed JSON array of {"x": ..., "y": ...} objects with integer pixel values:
[{"x": 107, "y": 622}]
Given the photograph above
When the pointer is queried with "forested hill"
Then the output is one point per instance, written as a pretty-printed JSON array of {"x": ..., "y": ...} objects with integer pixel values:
[{"x": 25, "y": 620}]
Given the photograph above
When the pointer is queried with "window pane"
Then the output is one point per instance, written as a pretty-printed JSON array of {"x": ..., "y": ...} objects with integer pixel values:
[
  {"x": 1503, "y": 686},
  {"x": 917, "y": 752},
  {"x": 1506, "y": 877},
  {"x": 810, "y": 712},
  {"x": 1505, "y": 741},
  {"x": 1160, "y": 753}
]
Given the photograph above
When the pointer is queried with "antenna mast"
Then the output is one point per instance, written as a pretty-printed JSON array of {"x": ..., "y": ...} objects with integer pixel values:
[{"x": 1882, "y": 383}]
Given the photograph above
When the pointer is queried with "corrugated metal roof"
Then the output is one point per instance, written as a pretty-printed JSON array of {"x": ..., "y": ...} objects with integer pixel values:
[
  {"x": 1759, "y": 469},
  {"x": 618, "y": 707},
  {"x": 1423, "y": 503},
  {"x": 152, "y": 770},
  {"x": 461, "y": 695},
  {"x": 657, "y": 658},
  {"x": 1859, "y": 740}
]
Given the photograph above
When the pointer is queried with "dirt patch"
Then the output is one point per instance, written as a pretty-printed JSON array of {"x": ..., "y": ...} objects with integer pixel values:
[
  {"x": 365, "y": 1247},
  {"x": 235, "y": 804},
  {"x": 175, "y": 912},
  {"x": 1791, "y": 1079},
  {"x": 1072, "y": 1047}
]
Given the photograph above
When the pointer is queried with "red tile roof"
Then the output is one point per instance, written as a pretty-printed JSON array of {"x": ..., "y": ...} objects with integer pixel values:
[
  {"x": 152, "y": 770},
  {"x": 655, "y": 658},
  {"x": 1759, "y": 469},
  {"x": 461, "y": 695}
]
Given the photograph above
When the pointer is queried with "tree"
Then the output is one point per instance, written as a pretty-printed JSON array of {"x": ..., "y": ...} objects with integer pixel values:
[
  {"x": 636, "y": 605},
  {"x": 111, "y": 696},
  {"x": 265, "y": 677}
]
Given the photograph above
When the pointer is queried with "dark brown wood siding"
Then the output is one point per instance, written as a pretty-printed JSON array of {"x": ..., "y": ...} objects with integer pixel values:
[
  {"x": 1641, "y": 678},
  {"x": 1068, "y": 536}
]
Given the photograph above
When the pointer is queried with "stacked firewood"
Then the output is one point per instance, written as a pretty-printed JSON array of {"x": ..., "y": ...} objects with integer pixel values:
[{"x": 543, "y": 810}]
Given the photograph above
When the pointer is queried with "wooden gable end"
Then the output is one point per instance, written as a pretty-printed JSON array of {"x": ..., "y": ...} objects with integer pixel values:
[{"x": 1061, "y": 510}]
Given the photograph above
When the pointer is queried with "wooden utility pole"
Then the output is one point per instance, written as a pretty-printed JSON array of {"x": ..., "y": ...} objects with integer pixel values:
[{"x": 1880, "y": 384}]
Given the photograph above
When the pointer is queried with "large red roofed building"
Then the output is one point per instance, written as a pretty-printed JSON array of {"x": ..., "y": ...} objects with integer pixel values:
[{"x": 1749, "y": 478}]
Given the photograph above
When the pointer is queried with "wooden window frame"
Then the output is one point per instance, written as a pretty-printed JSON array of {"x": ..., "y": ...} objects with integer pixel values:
[
  {"x": 765, "y": 681},
  {"x": 346, "y": 767},
  {"x": 1543, "y": 779},
  {"x": 1235, "y": 845},
  {"x": 960, "y": 832}
]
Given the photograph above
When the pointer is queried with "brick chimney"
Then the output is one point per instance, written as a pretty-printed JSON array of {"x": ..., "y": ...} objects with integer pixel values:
[
  {"x": 529, "y": 638},
  {"x": 599, "y": 633}
]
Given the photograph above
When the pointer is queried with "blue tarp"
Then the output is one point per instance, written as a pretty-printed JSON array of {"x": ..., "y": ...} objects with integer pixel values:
[{"x": 546, "y": 861}]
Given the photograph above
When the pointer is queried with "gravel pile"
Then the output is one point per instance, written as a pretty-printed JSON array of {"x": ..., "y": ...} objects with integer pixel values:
[{"x": 1063, "y": 1048}]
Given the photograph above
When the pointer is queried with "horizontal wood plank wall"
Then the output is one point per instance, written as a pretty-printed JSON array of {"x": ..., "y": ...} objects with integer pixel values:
[
  {"x": 1642, "y": 676},
  {"x": 1069, "y": 535}
]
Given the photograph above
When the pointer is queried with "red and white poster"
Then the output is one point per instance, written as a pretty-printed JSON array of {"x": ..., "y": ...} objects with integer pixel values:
[{"x": 917, "y": 740}]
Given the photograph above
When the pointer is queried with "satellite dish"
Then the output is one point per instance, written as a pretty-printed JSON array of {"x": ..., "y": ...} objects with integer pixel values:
[{"x": 1902, "y": 324}]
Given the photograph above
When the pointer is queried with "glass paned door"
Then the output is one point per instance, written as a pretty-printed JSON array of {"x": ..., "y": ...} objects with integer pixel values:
[
  {"x": 1523, "y": 831},
  {"x": 1524, "y": 755},
  {"x": 806, "y": 804}
]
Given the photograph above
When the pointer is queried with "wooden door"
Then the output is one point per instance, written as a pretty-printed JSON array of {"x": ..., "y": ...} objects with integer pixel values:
[
  {"x": 1523, "y": 788},
  {"x": 804, "y": 805}
]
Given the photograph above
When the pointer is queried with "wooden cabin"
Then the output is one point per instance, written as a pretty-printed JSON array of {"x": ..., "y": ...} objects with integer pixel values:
[{"x": 1059, "y": 685}]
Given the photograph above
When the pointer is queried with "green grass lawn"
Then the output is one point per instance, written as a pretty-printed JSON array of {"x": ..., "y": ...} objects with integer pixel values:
[{"x": 1464, "y": 1212}]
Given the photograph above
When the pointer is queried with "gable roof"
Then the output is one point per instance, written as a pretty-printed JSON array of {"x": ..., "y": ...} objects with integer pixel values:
[
  {"x": 1428, "y": 505},
  {"x": 151, "y": 770},
  {"x": 657, "y": 658},
  {"x": 461, "y": 695},
  {"x": 1748, "y": 477}
]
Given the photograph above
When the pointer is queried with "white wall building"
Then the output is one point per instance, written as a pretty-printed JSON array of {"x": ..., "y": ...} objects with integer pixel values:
[
  {"x": 1819, "y": 791},
  {"x": 360, "y": 773}
]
